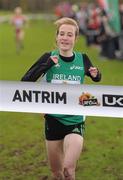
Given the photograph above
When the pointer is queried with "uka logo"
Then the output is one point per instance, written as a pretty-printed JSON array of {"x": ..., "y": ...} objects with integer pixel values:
[
  {"x": 86, "y": 99},
  {"x": 112, "y": 100}
]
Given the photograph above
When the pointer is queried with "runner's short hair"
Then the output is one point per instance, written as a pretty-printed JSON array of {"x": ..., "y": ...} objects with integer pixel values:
[{"x": 66, "y": 20}]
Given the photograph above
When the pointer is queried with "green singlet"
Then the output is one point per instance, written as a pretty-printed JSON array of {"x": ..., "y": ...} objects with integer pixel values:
[{"x": 67, "y": 72}]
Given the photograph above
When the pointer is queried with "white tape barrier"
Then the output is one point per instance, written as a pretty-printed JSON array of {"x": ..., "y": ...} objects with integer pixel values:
[{"x": 91, "y": 100}]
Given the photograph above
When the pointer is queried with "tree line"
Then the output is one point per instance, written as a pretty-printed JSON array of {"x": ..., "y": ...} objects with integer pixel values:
[{"x": 32, "y": 5}]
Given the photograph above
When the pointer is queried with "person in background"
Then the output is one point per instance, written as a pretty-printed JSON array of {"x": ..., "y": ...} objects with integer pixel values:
[
  {"x": 108, "y": 39},
  {"x": 19, "y": 20},
  {"x": 64, "y": 133}
]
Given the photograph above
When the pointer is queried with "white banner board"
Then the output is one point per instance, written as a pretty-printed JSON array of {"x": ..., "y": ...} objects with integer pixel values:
[{"x": 38, "y": 97}]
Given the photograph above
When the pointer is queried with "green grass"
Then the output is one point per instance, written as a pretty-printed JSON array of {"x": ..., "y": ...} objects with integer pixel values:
[{"x": 22, "y": 142}]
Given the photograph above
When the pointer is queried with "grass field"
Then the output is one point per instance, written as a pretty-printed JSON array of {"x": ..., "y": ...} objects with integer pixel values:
[{"x": 22, "y": 147}]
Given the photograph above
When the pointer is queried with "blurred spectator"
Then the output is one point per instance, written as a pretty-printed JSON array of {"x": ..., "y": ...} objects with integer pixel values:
[
  {"x": 58, "y": 11},
  {"x": 93, "y": 25},
  {"x": 108, "y": 40},
  {"x": 64, "y": 9},
  {"x": 81, "y": 17}
]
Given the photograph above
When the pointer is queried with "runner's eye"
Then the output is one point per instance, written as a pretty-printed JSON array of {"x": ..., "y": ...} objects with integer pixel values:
[
  {"x": 70, "y": 35},
  {"x": 61, "y": 33}
]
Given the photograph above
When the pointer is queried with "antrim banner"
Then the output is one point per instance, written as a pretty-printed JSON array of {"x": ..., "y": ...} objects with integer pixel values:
[{"x": 90, "y": 100}]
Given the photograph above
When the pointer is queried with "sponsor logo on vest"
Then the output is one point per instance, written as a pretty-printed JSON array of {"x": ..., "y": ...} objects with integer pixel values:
[
  {"x": 112, "y": 100},
  {"x": 76, "y": 67},
  {"x": 76, "y": 130},
  {"x": 40, "y": 96},
  {"x": 66, "y": 77},
  {"x": 86, "y": 99},
  {"x": 57, "y": 65}
]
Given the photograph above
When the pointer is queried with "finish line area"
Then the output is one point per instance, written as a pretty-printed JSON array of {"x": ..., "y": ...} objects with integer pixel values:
[{"x": 36, "y": 97}]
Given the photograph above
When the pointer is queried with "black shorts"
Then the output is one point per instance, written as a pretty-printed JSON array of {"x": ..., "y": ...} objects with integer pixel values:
[{"x": 55, "y": 130}]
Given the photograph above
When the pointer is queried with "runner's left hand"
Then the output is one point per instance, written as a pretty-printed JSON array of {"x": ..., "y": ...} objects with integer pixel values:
[{"x": 93, "y": 71}]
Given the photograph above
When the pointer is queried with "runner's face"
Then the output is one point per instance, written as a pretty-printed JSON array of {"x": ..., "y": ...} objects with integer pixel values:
[
  {"x": 18, "y": 11},
  {"x": 66, "y": 37}
]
